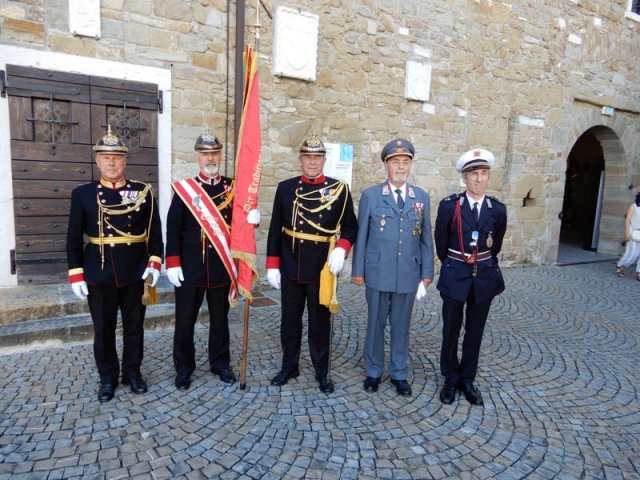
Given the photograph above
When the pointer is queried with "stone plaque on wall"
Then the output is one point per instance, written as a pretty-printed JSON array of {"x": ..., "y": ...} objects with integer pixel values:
[
  {"x": 417, "y": 81},
  {"x": 84, "y": 17},
  {"x": 295, "y": 44}
]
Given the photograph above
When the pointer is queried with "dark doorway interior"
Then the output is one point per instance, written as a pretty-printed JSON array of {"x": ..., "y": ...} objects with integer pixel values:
[{"x": 585, "y": 166}]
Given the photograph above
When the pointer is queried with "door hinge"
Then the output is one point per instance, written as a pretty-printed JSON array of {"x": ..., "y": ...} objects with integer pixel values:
[
  {"x": 160, "y": 101},
  {"x": 12, "y": 258},
  {"x": 3, "y": 84}
]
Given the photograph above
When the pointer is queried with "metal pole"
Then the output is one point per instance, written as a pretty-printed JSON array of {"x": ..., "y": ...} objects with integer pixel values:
[
  {"x": 239, "y": 76},
  {"x": 245, "y": 345}
]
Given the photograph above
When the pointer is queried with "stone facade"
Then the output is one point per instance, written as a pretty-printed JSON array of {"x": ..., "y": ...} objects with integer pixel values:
[{"x": 524, "y": 79}]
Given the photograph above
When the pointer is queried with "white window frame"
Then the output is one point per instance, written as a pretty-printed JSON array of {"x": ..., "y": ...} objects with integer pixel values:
[{"x": 632, "y": 15}]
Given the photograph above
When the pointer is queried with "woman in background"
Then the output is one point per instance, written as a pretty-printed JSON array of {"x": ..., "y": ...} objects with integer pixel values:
[{"x": 632, "y": 250}]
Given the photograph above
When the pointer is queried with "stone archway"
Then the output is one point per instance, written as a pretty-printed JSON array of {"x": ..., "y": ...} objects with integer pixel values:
[{"x": 597, "y": 221}]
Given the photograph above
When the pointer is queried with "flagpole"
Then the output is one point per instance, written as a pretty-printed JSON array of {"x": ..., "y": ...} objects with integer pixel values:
[{"x": 247, "y": 301}]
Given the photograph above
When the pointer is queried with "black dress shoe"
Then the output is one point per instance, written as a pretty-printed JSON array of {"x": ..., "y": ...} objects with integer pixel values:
[
  {"x": 137, "y": 384},
  {"x": 226, "y": 375},
  {"x": 402, "y": 387},
  {"x": 183, "y": 381},
  {"x": 106, "y": 392},
  {"x": 448, "y": 393},
  {"x": 325, "y": 385},
  {"x": 472, "y": 394},
  {"x": 371, "y": 384},
  {"x": 283, "y": 377}
]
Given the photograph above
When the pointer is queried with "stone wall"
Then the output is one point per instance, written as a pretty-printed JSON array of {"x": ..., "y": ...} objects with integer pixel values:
[{"x": 524, "y": 79}]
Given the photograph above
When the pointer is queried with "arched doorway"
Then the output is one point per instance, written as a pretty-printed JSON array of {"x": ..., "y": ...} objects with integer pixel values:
[{"x": 583, "y": 194}]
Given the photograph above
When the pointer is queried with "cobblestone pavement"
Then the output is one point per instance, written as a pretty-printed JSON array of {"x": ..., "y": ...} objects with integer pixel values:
[{"x": 558, "y": 370}]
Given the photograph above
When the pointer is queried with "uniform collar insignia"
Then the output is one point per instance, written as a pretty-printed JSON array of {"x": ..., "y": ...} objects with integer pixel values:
[
  {"x": 488, "y": 202},
  {"x": 209, "y": 180},
  {"x": 313, "y": 181},
  {"x": 410, "y": 192},
  {"x": 113, "y": 185},
  {"x": 385, "y": 189}
]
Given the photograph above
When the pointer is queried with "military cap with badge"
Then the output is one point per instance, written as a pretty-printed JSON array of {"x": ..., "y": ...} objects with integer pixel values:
[
  {"x": 396, "y": 147},
  {"x": 474, "y": 159},
  {"x": 313, "y": 146},
  {"x": 111, "y": 144},
  {"x": 207, "y": 142}
]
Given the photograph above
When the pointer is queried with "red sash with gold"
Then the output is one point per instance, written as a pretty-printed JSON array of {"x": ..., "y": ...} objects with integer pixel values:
[{"x": 208, "y": 216}]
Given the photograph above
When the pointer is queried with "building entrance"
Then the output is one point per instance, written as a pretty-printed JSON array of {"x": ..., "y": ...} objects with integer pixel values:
[{"x": 584, "y": 187}]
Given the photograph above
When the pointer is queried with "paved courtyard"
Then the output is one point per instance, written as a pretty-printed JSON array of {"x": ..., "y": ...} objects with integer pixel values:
[{"x": 558, "y": 371}]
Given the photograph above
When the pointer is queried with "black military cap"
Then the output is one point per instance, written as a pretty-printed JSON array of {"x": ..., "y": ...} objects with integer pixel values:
[
  {"x": 110, "y": 143},
  {"x": 396, "y": 147},
  {"x": 207, "y": 142},
  {"x": 313, "y": 146}
]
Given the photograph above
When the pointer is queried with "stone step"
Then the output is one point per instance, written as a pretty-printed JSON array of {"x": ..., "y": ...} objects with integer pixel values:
[
  {"x": 51, "y": 313},
  {"x": 77, "y": 327},
  {"x": 39, "y": 302}
]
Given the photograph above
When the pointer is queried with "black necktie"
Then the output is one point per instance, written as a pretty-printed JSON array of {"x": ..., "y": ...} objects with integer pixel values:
[
  {"x": 399, "y": 199},
  {"x": 476, "y": 214}
]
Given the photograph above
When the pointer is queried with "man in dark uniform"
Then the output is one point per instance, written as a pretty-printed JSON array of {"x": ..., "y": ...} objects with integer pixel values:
[
  {"x": 310, "y": 212},
  {"x": 468, "y": 237},
  {"x": 393, "y": 257},
  {"x": 120, "y": 219},
  {"x": 198, "y": 261}
]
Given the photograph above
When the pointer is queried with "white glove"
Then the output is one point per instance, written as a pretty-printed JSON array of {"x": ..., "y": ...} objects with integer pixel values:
[
  {"x": 422, "y": 291},
  {"x": 80, "y": 289},
  {"x": 253, "y": 217},
  {"x": 175, "y": 276},
  {"x": 155, "y": 274},
  {"x": 336, "y": 260},
  {"x": 273, "y": 277}
]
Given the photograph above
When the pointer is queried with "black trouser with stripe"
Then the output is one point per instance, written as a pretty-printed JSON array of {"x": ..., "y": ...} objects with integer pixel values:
[
  {"x": 188, "y": 301},
  {"x": 463, "y": 370},
  {"x": 294, "y": 295},
  {"x": 104, "y": 302}
]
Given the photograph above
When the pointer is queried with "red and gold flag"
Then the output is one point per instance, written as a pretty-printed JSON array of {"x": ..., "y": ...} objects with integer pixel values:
[{"x": 248, "y": 172}]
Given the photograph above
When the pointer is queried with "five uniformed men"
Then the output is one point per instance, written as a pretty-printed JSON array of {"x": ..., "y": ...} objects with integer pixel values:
[
  {"x": 313, "y": 225},
  {"x": 310, "y": 213},
  {"x": 393, "y": 257},
  {"x": 120, "y": 219}
]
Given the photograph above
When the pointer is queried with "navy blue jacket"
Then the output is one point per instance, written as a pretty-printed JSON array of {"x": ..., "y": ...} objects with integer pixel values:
[
  {"x": 302, "y": 260},
  {"x": 189, "y": 248},
  {"x": 123, "y": 263},
  {"x": 456, "y": 277}
]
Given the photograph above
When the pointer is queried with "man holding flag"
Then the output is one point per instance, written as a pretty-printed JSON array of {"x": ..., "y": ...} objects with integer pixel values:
[{"x": 199, "y": 260}]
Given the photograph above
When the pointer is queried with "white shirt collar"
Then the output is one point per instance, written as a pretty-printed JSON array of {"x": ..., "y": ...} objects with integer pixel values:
[
  {"x": 403, "y": 190},
  {"x": 472, "y": 201}
]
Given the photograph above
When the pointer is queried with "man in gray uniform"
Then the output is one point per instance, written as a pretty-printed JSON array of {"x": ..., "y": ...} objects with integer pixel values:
[{"x": 393, "y": 257}]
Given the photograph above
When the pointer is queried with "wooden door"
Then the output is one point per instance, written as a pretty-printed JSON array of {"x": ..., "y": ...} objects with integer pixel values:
[{"x": 55, "y": 119}]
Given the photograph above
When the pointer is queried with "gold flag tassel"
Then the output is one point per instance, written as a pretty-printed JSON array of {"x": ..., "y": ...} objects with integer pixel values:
[
  {"x": 150, "y": 295},
  {"x": 329, "y": 284}
]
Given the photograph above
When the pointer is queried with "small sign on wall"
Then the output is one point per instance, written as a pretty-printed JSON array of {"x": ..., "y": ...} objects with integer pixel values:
[
  {"x": 339, "y": 163},
  {"x": 84, "y": 18},
  {"x": 295, "y": 44},
  {"x": 418, "y": 81}
]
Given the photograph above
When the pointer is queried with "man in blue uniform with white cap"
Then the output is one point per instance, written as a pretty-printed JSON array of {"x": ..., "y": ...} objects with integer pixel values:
[
  {"x": 393, "y": 257},
  {"x": 468, "y": 235}
]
